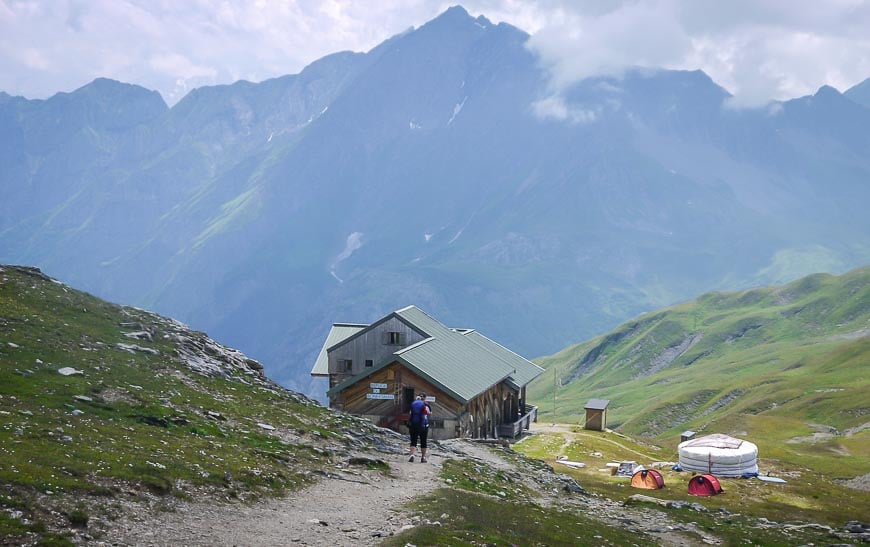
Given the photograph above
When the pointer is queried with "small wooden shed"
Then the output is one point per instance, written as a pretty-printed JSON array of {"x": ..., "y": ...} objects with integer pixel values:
[{"x": 596, "y": 414}]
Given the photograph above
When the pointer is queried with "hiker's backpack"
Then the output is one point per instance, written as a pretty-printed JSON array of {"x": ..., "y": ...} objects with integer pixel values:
[{"x": 418, "y": 414}]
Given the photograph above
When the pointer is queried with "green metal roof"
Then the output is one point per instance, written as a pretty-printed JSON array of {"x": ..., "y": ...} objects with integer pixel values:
[
  {"x": 524, "y": 370},
  {"x": 338, "y": 333},
  {"x": 461, "y": 362}
]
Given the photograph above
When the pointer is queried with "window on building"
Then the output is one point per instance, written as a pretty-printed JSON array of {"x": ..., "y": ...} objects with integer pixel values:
[
  {"x": 395, "y": 338},
  {"x": 436, "y": 424},
  {"x": 369, "y": 363},
  {"x": 345, "y": 365}
]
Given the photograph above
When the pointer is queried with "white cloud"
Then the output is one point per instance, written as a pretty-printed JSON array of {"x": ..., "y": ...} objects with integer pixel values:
[
  {"x": 757, "y": 49},
  {"x": 152, "y": 42},
  {"x": 554, "y": 107},
  {"x": 179, "y": 66}
]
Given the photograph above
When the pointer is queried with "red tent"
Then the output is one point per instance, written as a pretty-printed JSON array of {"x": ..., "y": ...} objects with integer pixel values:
[{"x": 704, "y": 485}]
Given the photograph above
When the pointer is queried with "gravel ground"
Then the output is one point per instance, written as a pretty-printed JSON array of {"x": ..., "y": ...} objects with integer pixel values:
[{"x": 351, "y": 506}]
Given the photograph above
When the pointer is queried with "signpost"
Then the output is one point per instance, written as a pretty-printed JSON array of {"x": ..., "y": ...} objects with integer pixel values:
[
  {"x": 376, "y": 388},
  {"x": 384, "y": 396}
]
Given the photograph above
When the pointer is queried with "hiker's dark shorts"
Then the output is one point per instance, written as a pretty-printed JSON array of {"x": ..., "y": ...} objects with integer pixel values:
[{"x": 418, "y": 431}]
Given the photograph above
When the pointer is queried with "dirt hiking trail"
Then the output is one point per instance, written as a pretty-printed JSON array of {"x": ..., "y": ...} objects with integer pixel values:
[{"x": 350, "y": 506}]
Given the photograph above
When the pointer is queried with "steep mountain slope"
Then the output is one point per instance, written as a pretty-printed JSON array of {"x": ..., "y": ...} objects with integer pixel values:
[
  {"x": 424, "y": 172},
  {"x": 860, "y": 93},
  {"x": 758, "y": 360},
  {"x": 100, "y": 402}
]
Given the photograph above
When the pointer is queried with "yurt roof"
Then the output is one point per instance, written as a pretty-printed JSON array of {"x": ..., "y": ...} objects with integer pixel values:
[{"x": 716, "y": 440}]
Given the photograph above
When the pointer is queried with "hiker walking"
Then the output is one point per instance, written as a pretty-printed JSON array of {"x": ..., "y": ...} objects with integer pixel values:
[{"x": 418, "y": 426}]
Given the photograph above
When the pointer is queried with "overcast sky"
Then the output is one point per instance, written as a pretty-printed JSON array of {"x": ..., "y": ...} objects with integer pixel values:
[{"x": 758, "y": 50}]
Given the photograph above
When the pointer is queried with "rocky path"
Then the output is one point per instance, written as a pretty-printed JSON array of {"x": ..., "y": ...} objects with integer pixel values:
[
  {"x": 351, "y": 506},
  {"x": 358, "y": 506}
]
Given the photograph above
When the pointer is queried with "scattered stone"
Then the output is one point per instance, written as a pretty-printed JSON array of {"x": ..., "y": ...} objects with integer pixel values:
[
  {"x": 267, "y": 427},
  {"x": 66, "y": 439},
  {"x": 69, "y": 371},
  {"x": 318, "y": 521},
  {"x": 25, "y": 412},
  {"x": 215, "y": 415},
  {"x": 812, "y": 525},
  {"x": 133, "y": 348},
  {"x": 570, "y": 485},
  {"x": 363, "y": 461},
  {"x": 12, "y": 345},
  {"x": 139, "y": 335},
  {"x": 39, "y": 361},
  {"x": 254, "y": 365},
  {"x": 670, "y": 504},
  {"x": 76, "y": 412},
  {"x": 83, "y": 398},
  {"x": 856, "y": 527}
]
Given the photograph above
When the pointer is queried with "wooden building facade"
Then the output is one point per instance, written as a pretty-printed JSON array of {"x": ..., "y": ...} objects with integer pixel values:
[{"x": 475, "y": 387}]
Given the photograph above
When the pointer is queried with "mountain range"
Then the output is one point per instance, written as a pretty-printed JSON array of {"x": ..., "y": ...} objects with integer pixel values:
[
  {"x": 765, "y": 360},
  {"x": 429, "y": 171}
]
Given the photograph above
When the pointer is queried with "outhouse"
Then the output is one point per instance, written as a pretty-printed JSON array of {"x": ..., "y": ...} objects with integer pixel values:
[{"x": 596, "y": 414}]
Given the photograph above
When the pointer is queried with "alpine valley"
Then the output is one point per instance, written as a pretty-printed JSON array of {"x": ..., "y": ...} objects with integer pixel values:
[{"x": 431, "y": 171}]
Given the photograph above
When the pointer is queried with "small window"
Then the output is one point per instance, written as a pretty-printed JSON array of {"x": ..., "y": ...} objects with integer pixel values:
[
  {"x": 345, "y": 365},
  {"x": 395, "y": 338},
  {"x": 369, "y": 363}
]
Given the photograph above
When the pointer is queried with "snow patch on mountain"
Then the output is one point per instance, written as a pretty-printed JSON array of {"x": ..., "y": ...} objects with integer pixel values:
[
  {"x": 353, "y": 242},
  {"x": 457, "y": 109},
  {"x": 459, "y": 233}
]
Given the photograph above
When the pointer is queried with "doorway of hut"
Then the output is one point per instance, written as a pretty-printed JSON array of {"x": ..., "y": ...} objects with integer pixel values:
[{"x": 407, "y": 399}]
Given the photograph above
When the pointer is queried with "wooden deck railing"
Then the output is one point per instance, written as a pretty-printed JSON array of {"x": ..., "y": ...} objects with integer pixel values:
[{"x": 513, "y": 429}]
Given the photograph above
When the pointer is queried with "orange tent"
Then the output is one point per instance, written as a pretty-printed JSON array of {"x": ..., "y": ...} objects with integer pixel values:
[{"x": 648, "y": 479}]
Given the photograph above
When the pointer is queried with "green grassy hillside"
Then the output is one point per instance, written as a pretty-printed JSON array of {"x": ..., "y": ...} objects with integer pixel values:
[
  {"x": 788, "y": 367},
  {"x": 151, "y": 409}
]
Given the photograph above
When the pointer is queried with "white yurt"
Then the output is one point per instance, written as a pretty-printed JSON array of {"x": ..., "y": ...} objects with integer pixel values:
[{"x": 719, "y": 455}]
